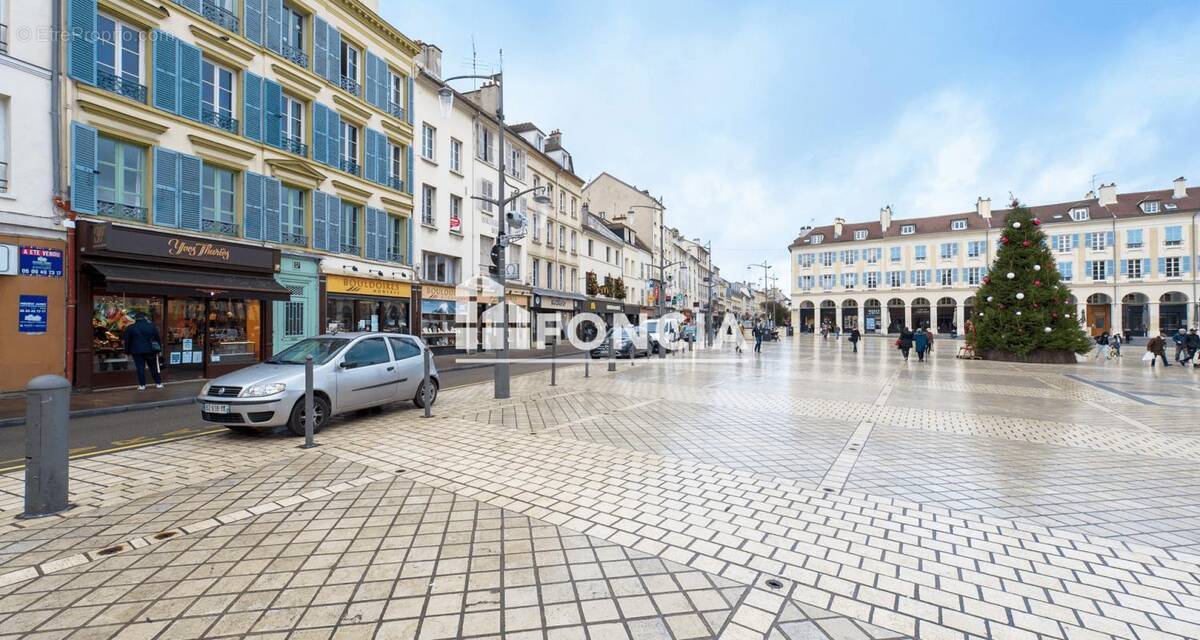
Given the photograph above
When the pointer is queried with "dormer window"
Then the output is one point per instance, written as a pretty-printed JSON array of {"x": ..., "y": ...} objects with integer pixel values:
[
  {"x": 1150, "y": 206},
  {"x": 860, "y": 234},
  {"x": 817, "y": 239},
  {"x": 1079, "y": 214},
  {"x": 908, "y": 229},
  {"x": 958, "y": 225}
]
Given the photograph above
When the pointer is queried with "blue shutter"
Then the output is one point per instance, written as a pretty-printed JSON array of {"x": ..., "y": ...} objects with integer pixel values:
[
  {"x": 191, "y": 5},
  {"x": 368, "y": 168},
  {"x": 1146, "y": 268},
  {"x": 1075, "y": 241},
  {"x": 272, "y": 120},
  {"x": 1087, "y": 269},
  {"x": 1109, "y": 239},
  {"x": 253, "y": 215},
  {"x": 333, "y": 226},
  {"x": 271, "y": 209},
  {"x": 320, "y": 47},
  {"x": 370, "y": 90},
  {"x": 1185, "y": 264},
  {"x": 1087, "y": 239},
  {"x": 1108, "y": 268},
  {"x": 319, "y": 137},
  {"x": 81, "y": 47},
  {"x": 384, "y": 229},
  {"x": 334, "y": 66},
  {"x": 189, "y": 81},
  {"x": 274, "y": 25},
  {"x": 408, "y": 161},
  {"x": 409, "y": 111},
  {"x": 372, "y": 234},
  {"x": 1124, "y": 267},
  {"x": 83, "y": 168},
  {"x": 166, "y": 187},
  {"x": 320, "y": 219},
  {"x": 954, "y": 276},
  {"x": 1162, "y": 266},
  {"x": 383, "y": 157},
  {"x": 166, "y": 71},
  {"x": 191, "y": 171},
  {"x": 408, "y": 234},
  {"x": 333, "y": 127},
  {"x": 252, "y": 106},
  {"x": 252, "y": 20}
]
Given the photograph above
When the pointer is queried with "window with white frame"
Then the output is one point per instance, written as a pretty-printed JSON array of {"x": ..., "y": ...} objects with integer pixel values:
[
  {"x": 1065, "y": 270},
  {"x": 895, "y": 279},
  {"x": 945, "y": 277},
  {"x": 816, "y": 239},
  {"x": 1133, "y": 268},
  {"x": 827, "y": 281},
  {"x": 919, "y": 253},
  {"x": 456, "y": 155},
  {"x": 1099, "y": 270},
  {"x": 860, "y": 234},
  {"x": 349, "y": 230},
  {"x": 948, "y": 250},
  {"x": 216, "y": 95},
  {"x": 396, "y": 83},
  {"x": 488, "y": 189},
  {"x": 919, "y": 278},
  {"x": 428, "y": 205},
  {"x": 974, "y": 276},
  {"x": 562, "y": 201},
  {"x": 896, "y": 253},
  {"x": 1174, "y": 236},
  {"x": 806, "y": 283},
  {"x": 872, "y": 255},
  {"x": 1079, "y": 214},
  {"x": 574, "y": 241},
  {"x": 562, "y": 277},
  {"x": 958, "y": 225},
  {"x": 291, "y": 216},
  {"x": 535, "y": 271},
  {"x": 549, "y": 233},
  {"x": 807, "y": 259},
  {"x": 975, "y": 248},
  {"x": 1150, "y": 206},
  {"x": 293, "y": 33},
  {"x": 428, "y": 142},
  {"x": 4, "y": 137},
  {"x": 350, "y": 66},
  {"x": 1133, "y": 239},
  {"x": 1062, "y": 242},
  {"x": 1096, "y": 241},
  {"x": 217, "y": 200},
  {"x": 291, "y": 113},
  {"x": 826, "y": 258},
  {"x": 485, "y": 143},
  {"x": 349, "y": 147},
  {"x": 908, "y": 229},
  {"x": 118, "y": 54},
  {"x": 850, "y": 280},
  {"x": 1171, "y": 267},
  {"x": 850, "y": 256},
  {"x": 396, "y": 165},
  {"x": 871, "y": 279},
  {"x": 456, "y": 214},
  {"x": 436, "y": 267}
]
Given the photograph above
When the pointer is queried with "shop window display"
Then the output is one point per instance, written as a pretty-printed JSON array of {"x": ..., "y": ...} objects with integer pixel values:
[
  {"x": 234, "y": 331},
  {"x": 111, "y": 315}
]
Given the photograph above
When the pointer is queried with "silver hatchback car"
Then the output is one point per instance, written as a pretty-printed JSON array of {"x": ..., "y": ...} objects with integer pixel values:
[{"x": 350, "y": 371}]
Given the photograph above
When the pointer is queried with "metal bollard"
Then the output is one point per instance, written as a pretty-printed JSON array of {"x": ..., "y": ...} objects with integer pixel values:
[
  {"x": 426, "y": 385},
  {"x": 310, "y": 417},
  {"x": 553, "y": 363},
  {"x": 612, "y": 352},
  {"x": 47, "y": 414},
  {"x": 587, "y": 357}
]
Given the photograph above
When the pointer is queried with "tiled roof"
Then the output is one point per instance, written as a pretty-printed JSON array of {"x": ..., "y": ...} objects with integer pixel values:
[{"x": 1128, "y": 205}]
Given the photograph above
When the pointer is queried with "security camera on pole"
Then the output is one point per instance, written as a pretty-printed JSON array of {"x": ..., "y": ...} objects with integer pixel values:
[{"x": 512, "y": 220}]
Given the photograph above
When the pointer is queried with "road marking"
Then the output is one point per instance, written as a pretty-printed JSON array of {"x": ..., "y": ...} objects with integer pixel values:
[
  {"x": 839, "y": 472},
  {"x": 1101, "y": 385},
  {"x": 84, "y": 453}
]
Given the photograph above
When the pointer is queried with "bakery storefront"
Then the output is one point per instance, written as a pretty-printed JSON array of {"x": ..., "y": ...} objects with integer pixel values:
[
  {"x": 211, "y": 301},
  {"x": 355, "y": 303}
]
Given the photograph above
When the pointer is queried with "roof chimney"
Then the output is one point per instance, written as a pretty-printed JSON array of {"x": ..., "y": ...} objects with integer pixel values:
[
  {"x": 554, "y": 140},
  {"x": 486, "y": 97},
  {"x": 983, "y": 206},
  {"x": 430, "y": 59},
  {"x": 1180, "y": 188},
  {"x": 837, "y": 227},
  {"x": 1108, "y": 194},
  {"x": 885, "y": 218}
]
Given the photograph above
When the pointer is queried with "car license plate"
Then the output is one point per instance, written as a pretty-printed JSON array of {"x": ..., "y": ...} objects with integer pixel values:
[{"x": 216, "y": 408}]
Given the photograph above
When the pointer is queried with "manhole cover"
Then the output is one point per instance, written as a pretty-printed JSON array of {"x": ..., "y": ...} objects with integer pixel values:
[{"x": 774, "y": 584}]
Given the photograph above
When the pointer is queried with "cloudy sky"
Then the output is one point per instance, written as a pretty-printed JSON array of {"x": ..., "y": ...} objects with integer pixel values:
[{"x": 752, "y": 119}]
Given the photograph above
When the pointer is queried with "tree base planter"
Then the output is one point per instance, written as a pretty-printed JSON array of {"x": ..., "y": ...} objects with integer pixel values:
[{"x": 1041, "y": 356}]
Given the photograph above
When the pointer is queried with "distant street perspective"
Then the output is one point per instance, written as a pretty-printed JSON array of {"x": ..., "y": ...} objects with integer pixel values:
[{"x": 814, "y": 490}]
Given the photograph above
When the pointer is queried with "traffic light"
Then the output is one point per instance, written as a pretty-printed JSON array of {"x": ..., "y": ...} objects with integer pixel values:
[{"x": 497, "y": 250}]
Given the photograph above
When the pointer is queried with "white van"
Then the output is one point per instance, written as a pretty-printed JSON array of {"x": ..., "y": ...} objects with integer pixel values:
[{"x": 665, "y": 333}]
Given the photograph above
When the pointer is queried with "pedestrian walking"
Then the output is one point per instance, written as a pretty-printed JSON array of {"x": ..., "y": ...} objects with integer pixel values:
[
  {"x": 1157, "y": 348},
  {"x": 143, "y": 344},
  {"x": 1115, "y": 346},
  {"x": 1193, "y": 347},
  {"x": 1102, "y": 343},
  {"x": 1180, "y": 340},
  {"x": 921, "y": 342},
  {"x": 855, "y": 336},
  {"x": 758, "y": 335},
  {"x": 905, "y": 342}
]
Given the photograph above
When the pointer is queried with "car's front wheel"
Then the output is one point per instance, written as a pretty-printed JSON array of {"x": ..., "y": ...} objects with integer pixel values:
[
  {"x": 320, "y": 414},
  {"x": 419, "y": 399}
]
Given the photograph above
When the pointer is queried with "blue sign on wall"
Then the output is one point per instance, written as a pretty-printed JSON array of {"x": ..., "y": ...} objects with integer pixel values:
[
  {"x": 33, "y": 312},
  {"x": 40, "y": 261}
]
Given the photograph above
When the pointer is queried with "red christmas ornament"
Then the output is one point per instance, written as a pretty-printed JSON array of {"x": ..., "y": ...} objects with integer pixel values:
[
  {"x": 1025, "y": 243},
  {"x": 1053, "y": 314},
  {"x": 1003, "y": 239},
  {"x": 1037, "y": 283},
  {"x": 1036, "y": 222}
]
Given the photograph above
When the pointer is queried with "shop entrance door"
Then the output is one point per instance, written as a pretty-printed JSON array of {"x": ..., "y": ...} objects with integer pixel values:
[{"x": 183, "y": 348}]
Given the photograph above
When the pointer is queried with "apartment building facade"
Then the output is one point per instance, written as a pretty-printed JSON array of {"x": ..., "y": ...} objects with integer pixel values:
[
  {"x": 239, "y": 173},
  {"x": 642, "y": 212},
  {"x": 1130, "y": 260}
]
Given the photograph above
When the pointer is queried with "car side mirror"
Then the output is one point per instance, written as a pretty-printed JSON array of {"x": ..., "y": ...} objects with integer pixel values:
[{"x": 346, "y": 364}]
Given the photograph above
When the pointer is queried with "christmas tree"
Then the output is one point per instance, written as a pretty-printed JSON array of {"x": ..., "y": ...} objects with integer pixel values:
[{"x": 1023, "y": 311}]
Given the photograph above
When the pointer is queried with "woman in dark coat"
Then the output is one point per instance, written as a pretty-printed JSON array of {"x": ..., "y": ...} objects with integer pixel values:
[
  {"x": 905, "y": 342},
  {"x": 921, "y": 341},
  {"x": 143, "y": 343}
]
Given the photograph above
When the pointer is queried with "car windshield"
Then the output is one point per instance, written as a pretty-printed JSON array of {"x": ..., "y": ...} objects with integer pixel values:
[
  {"x": 652, "y": 325},
  {"x": 321, "y": 349}
]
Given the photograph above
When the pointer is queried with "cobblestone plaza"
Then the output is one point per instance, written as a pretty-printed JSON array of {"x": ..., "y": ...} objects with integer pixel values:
[{"x": 807, "y": 493}]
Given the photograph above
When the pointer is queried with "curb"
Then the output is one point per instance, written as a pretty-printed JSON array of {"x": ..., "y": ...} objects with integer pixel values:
[{"x": 175, "y": 402}]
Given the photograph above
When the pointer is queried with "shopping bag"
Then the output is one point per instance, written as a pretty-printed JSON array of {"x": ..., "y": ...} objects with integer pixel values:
[{"x": 1147, "y": 357}]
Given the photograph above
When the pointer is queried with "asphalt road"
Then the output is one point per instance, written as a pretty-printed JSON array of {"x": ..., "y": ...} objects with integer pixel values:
[{"x": 114, "y": 432}]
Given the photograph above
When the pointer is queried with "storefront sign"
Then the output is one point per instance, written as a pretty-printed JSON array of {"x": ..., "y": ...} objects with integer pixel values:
[
  {"x": 550, "y": 302},
  {"x": 40, "y": 261},
  {"x": 101, "y": 238},
  {"x": 434, "y": 292},
  {"x": 32, "y": 314},
  {"x": 367, "y": 286},
  {"x": 444, "y": 307}
]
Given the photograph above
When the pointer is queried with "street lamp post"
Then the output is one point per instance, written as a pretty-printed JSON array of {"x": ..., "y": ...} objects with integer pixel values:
[
  {"x": 765, "y": 267},
  {"x": 499, "y": 251}
]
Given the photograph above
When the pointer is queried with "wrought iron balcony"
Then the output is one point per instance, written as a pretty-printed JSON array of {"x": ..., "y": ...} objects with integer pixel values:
[
  {"x": 351, "y": 249},
  {"x": 294, "y": 145},
  {"x": 294, "y": 54},
  {"x": 120, "y": 86},
  {"x": 294, "y": 239},
  {"x": 396, "y": 110},
  {"x": 395, "y": 183},
  {"x": 218, "y": 226},
  {"x": 219, "y": 120},
  {"x": 349, "y": 85},
  {"x": 350, "y": 166},
  {"x": 118, "y": 210},
  {"x": 220, "y": 16},
  {"x": 397, "y": 257}
]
